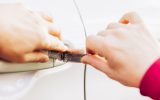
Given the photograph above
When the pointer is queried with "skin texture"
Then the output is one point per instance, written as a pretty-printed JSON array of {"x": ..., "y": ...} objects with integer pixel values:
[
  {"x": 124, "y": 50},
  {"x": 24, "y": 33}
]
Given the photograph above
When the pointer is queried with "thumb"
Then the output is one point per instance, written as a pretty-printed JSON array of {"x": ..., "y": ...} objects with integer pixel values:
[
  {"x": 97, "y": 62},
  {"x": 46, "y": 16},
  {"x": 35, "y": 57},
  {"x": 132, "y": 18}
]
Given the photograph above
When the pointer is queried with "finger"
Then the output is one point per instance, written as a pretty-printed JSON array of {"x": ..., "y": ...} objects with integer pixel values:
[
  {"x": 114, "y": 25},
  {"x": 54, "y": 30},
  {"x": 36, "y": 57},
  {"x": 132, "y": 18},
  {"x": 97, "y": 62},
  {"x": 53, "y": 43},
  {"x": 46, "y": 16},
  {"x": 102, "y": 33},
  {"x": 78, "y": 51},
  {"x": 105, "y": 32},
  {"x": 95, "y": 44}
]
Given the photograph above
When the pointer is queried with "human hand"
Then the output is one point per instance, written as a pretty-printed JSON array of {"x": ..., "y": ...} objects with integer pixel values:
[
  {"x": 124, "y": 51},
  {"x": 24, "y": 33}
]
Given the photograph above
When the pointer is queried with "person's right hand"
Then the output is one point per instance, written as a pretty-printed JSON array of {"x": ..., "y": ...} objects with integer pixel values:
[
  {"x": 125, "y": 50},
  {"x": 24, "y": 33}
]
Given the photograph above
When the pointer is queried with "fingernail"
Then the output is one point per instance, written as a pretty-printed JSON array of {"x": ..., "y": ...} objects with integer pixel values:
[
  {"x": 84, "y": 62},
  {"x": 46, "y": 59}
]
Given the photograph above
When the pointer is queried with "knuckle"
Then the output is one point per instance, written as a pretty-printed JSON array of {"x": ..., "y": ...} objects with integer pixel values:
[
  {"x": 130, "y": 14},
  {"x": 112, "y": 25},
  {"x": 34, "y": 17},
  {"x": 45, "y": 44},
  {"x": 133, "y": 17},
  {"x": 103, "y": 33},
  {"x": 133, "y": 13},
  {"x": 110, "y": 74},
  {"x": 108, "y": 43},
  {"x": 45, "y": 40},
  {"x": 47, "y": 16},
  {"x": 20, "y": 60},
  {"x": 54, "y": 29},
  {"x": 117, "y": 32},
  {"x": 120, "y": 33},
  {"x": 90, "y": 40},
  {"x": 19, "y": 4}
]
